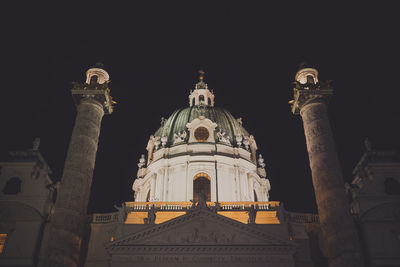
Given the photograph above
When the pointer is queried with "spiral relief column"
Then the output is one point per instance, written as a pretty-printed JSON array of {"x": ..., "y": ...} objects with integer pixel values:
[
  {"x": 63, "y": 235},
  {"x": 341, "y": 241}
]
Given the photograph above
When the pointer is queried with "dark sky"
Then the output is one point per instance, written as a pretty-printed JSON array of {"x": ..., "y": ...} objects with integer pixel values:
[{"x": 250, "y": 59}]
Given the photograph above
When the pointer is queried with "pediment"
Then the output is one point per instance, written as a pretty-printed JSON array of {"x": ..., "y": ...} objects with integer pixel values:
[{"x": 201, "y": 227}]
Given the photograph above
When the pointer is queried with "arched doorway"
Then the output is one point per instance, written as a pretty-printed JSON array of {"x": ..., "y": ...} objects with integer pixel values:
[{"x": 201, "y": 185}]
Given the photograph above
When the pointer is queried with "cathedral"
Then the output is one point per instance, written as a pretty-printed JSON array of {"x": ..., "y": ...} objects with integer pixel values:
[{"x": 201, "y": 195}]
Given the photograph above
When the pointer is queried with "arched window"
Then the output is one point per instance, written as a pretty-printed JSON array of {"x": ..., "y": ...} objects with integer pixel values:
[
  {"x": 209, "y": 101},
  {"x": 193, "y": 101},
  {"x": 13, "y": 186},
  {"x": 392, "y": 186},
  {"x": 94, "y": 79},
  {"x": 310, "y": 79},
  {"x": 201, "y": 186},
  {"x": 201, "y": 134},
  {"x": 201, "y": 98}
]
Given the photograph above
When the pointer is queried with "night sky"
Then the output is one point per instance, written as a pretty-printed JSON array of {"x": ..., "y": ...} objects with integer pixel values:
[{"x": 250, "y": 60}]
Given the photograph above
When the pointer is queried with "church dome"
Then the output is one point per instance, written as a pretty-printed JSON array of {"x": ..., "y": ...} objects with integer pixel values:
[
  {"x": 197, "y": 150},
  {"x": 176, "y": 123}
]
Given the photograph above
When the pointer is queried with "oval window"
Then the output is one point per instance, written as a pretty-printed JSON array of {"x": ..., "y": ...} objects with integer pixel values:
[{"x": 201, "y": 134}]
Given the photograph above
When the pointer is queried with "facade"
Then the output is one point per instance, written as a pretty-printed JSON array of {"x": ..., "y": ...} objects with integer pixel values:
[
  {"x": 374, "y": 195},
  {"x": 201, "y": 195},
  {"x": 26, "y": 202}
]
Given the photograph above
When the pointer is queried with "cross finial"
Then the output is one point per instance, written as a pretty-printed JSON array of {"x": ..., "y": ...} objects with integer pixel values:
[{"x": 201, "y": 75}]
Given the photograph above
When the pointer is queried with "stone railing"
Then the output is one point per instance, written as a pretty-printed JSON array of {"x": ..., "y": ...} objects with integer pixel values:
[
  {"x": 302, "y": 217},
  {"x": 176, "y": 206},
  {"x": 242, "y": 205},
  {"x": 105, "y": 217},
  {"x": 173, "y": 206}
]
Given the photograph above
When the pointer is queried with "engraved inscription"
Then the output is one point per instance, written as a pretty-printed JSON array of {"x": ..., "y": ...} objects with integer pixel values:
[
  {"x": 318, "y": 148},
  {"x": 314, "y": 113},
  {"x": 203, "y": 258},
  {"x": 315, "y": 131}
]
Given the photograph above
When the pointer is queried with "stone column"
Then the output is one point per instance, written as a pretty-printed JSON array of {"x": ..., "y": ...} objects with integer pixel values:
[
  {"x": 63, "y": 235},
  {"x": 342, "y": 244}
]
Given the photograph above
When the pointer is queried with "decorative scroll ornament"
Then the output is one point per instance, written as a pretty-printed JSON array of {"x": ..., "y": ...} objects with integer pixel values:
[
  {"x": 179, "y": 137},
  {"x": 223, "y": 137},
  {"x": 142, "y": 162}
]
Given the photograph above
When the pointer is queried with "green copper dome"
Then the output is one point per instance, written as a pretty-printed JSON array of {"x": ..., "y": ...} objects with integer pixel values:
[{"x": 176, "y": 123}]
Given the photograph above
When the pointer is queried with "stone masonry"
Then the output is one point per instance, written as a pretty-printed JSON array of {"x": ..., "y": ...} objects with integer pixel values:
[
  {"x": 342, "y": 245},
  {"x": 63, "y": 235}
]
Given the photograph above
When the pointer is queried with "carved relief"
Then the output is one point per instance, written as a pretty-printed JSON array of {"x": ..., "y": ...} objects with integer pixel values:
[
  {"x": 318, "y": 147},
  {"x": 314, "y": 113},
  {"x": 315, "y": 130}
]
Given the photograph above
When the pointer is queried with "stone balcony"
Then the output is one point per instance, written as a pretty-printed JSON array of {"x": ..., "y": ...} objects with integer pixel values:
[{"x": 265, "y": 212}]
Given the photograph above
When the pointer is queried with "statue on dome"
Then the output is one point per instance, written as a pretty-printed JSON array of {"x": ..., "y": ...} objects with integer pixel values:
[
  {"x": 163, "y": 120},
  {"x": 164, "y": 140},
  {"x": 239, "y": 140},
  {"x": 260, "y": 161},
  {"x": 36, "y": 144},
  {"x": 179, "y": 137},
  {"x": 223, "y": 137},
  {"x": 142, "y": 162},
  {"x": 246, "y": 143},
  {"x": 157, "y": 144}
]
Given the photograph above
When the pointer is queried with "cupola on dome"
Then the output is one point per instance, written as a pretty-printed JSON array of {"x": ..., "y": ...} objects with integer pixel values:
[{"x": 201, "y": 101}]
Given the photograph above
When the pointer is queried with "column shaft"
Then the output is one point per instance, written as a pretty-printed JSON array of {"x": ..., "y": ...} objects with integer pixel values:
[
  {"x": 337, "y": 226},
  {"x": 64, "y": 234}
]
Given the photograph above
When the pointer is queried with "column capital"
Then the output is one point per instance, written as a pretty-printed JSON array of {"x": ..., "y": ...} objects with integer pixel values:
[
  {"x": 94, "y": 91},
  {"x": 308, "y": 93}
]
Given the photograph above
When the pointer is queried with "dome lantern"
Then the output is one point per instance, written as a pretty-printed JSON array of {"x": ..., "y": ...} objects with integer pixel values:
[{"x": 201, "y": 95}]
